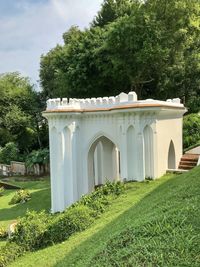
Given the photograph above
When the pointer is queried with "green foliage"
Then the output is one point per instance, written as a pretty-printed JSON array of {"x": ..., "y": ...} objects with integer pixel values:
[
  {"x": 21, "y": 196},
  {"x": 1, "y": 190},
  {"x": 9, "y": 253},
  {"x": 113, "y": 9},
  {"x": 191, "y": 130},
  {"x": 38, "y": 230},
  {"x": 8, "y": 153},
  {"x": 146, "y": 46},
  {"x": 162, "y": 215},
  {"x": 20, "y": 113},
  {"x": 73, "y": 220},
  {"x": 40, "y": 156},
  {"x": 29, "y": 232},
  {"x": 99, "y": 199},
  {"x": 3, "y": 233},
  {"x": 194, "y": 104}
]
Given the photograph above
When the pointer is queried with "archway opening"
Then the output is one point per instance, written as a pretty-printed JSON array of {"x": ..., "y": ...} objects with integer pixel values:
[
  {"x": 148, "y": 151},
  {"x": 103, "y": 162},
  {"x": 171, "y": 156}
]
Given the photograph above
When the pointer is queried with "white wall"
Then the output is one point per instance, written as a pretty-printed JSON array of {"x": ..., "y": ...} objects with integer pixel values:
[{"x": 130, "y": 143}]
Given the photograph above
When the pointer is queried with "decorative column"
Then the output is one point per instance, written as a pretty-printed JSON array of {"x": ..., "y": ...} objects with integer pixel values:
[
  {"x": 123, "y": 153},
  {"x": 140, "y": 149},
  {"x": 155, "y": 150},
  {"x": 75, "y": 162},
  {"x": 57, "y": 194},
  {"x": 69, "y": 165}
]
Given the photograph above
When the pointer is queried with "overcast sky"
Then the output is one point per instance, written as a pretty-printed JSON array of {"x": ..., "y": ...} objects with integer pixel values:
[{"x": 29, "y": 28}]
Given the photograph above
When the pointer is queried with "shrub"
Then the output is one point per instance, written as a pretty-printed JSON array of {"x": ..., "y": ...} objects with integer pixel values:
[
  {"x": 29, "y": 232},
  {"x": 191, "y": 130},
  {"x": 9, "y": 253},
  {"x": 73, "y": 220},
  {"x": 3, "y": 233},
  {"x": 40, "y": 157},
  {"x": 2, "y": 190},
  {"x": 37, "y": 230},
  {"x": 115, "y": 188},
  {"x": 21, "y": 196},
  {"x": 99, "y": 199}
]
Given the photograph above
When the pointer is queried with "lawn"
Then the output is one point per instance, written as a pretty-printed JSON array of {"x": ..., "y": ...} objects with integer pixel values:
[
  {"x": 153, "y": 224},
  {"x": 40, "y": 199}
]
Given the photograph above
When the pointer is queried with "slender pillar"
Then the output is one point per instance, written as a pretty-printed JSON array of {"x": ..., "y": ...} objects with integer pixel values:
[
  {"x": 53, "y": 166},
  {"x": 57, "y": 193},
  {"x": 123, "y": 155},
  {"x": 140, "y": 157}
]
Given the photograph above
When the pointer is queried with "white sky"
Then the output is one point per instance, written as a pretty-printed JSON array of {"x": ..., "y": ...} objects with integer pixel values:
[{"x": 29, "y": 28}]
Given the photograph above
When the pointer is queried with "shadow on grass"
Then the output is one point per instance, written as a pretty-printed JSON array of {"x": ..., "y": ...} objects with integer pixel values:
[
  {"x": 33, "y": 185},
  {"x": 39, "y": 200},
  {"x": 168, "y": 197}
]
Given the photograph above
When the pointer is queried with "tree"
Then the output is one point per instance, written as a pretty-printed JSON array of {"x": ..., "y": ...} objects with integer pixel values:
[
  {"x": 20, "y": 113},
  {"x": 191, "y": 130},
  {"x": 180, "y": 21},
  {"x": 149, "y": 46},
  {"x": 8, "y": 153},
  {"x": 111, "y": 10},
  {"x": 134, "y": 47}
]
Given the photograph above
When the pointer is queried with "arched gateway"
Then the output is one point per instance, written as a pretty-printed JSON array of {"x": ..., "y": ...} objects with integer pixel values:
[{"x": 111, "y": 138}]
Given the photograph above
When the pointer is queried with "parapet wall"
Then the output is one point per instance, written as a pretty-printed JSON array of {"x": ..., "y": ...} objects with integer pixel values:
[{"x": 105, "y": 102}]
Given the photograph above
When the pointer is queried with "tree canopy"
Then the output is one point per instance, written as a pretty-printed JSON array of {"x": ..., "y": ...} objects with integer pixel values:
[
  {"x": 149, "y": 46},
  {"x": 21, "y": 121}
]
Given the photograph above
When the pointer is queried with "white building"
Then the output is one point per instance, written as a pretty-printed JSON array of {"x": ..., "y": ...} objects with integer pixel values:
[{"x": 110, "y": 138}]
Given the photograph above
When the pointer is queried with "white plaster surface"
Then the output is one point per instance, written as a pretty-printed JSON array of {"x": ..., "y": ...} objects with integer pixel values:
[{"x": 110, "y": 138}]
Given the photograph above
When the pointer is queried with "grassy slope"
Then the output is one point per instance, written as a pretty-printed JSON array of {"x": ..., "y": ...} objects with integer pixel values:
[
  {"x": 40, "y": 190},
  {"x": 143, "y": 203}
]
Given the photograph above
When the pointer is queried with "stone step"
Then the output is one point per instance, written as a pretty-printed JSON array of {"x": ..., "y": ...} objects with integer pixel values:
[
  {"x": 188, "y": 161},
  {"x": 191, "y": 156},
  {"x": 186, "y": 167}
]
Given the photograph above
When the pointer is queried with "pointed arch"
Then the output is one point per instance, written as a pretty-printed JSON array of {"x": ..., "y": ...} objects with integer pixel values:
[
  {"x": 148, "y": 151},
  {"x": 102, "y": 162},
  {"x": 171, "y": 156}
]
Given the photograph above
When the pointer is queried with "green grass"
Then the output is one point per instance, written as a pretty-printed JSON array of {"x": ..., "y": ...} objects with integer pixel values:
[
  {"x": 154, "y": 224},
  {"x": 40, "y": 199}
]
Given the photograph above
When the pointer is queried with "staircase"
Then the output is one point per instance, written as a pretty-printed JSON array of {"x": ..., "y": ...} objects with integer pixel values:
[{"x": 188, "y": 161}]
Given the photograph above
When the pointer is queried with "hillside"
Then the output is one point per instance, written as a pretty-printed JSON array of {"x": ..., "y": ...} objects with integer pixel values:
[{"x": 153, "y": 224}]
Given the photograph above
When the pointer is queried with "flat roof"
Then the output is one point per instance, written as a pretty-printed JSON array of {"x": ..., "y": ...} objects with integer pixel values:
[{"x": 117, "y": 107}]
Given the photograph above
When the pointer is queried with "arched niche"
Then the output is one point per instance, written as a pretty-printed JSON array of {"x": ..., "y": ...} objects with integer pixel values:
[
  {"x": 171, "y": 156},
  {"x": 131, "y": 153},
  {"x": 103, "y": 162},
  {"x": 148, "y": 152}
]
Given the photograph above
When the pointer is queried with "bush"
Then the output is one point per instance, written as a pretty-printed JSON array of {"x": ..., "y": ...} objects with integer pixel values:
[
  {"x": 191, "y": 130},
  {"x": 29, "y": 232},
  {"x": 99, "y": 199},
  {"x": 3, "y": 233},
  {"x": 73, "y": 220},
  {"x": 21, "y": 196},
  {"x": 37, "y": 230},
  {"x": 9, "y": 253},
  {"x": 40, "y": 157},
  {"x": 2, "y": 190}
]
